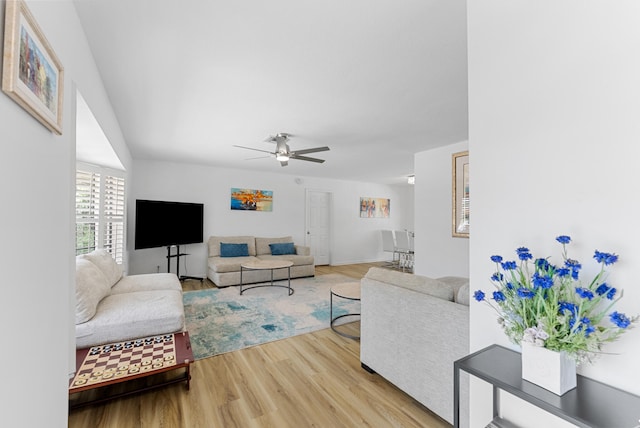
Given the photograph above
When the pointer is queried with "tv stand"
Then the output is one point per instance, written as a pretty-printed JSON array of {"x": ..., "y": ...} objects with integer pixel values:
[{"x": 177, "y": 256}]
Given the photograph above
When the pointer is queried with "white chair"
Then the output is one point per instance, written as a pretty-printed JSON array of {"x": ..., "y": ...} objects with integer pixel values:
[
  {"x": 389, "y": 246},
  {"x": 404, "y": 249}
]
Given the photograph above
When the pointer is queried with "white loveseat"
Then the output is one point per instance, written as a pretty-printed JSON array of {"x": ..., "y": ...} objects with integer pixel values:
[
  {"x": 225, "y": 271},
  {"x": 111, "y": 307},
  {"x": 413, "y": 329}
]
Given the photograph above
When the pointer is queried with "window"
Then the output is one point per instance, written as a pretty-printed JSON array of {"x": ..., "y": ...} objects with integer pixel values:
[{"x": 100, "y": 211}]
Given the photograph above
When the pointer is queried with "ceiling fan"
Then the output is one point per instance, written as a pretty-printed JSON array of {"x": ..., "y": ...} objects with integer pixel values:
[{"x": 283, "y": 153}]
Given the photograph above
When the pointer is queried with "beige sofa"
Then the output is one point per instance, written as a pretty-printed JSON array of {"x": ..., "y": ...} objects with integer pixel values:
[
  {"x": 112, "y": 308},
  {"x": 225, "y": 271},
  {"x": 413, "y": 328}
]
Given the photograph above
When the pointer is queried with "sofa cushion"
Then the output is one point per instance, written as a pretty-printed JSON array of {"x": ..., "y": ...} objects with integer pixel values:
[
  {"x": 228, "y": 264},
  {"x": 282, "y": 248},
  {"x": 462, "y": 297},
  {"x": 410, "y": 281},
  {"x": 233, "y": 250},
  {"x": 91, "y": 287},
  {"x": 147, "y": 282},
  {"x": 297, "y": 259},
  {"x": 214, "y": 243},
  {"x": 103, "y": 260},
  {"x": 127, "y": 316},
  {"x": 262, "y": 244},
  {"x": 460, "y": 287}
]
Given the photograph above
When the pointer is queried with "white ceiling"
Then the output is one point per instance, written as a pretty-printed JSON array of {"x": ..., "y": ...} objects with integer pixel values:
[{"x": 375, "y": 80}]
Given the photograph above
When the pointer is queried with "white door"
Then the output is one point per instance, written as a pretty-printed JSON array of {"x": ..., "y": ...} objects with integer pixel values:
[{"x": 318, "y": 230}]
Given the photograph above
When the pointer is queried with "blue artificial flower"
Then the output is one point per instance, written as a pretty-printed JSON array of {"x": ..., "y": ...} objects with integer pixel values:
[
  {"x": 498, "y": 296},
  {"x": 479, "y": 295},
  {"x": 496, "y": 259},
  {"x": 603, "y": 288},
  {"x": 562, "y": 272},
  {"x": 584, "y": 325},
  {"x": 584, "y": 293},
  {"x": 509, "y": 265},
  {"x": 563, "y": 307},
  {"x": 524, "y": 254},
  {"x": 509, "y": 286},
  {"x": 563, "y": 239},
  {"x": 497, "y": 277},
  {"x": 542, "y": 281},
  {"x": 606, "y": 258},
  {"x": 621, "y": 320},
  {"x": 525, "y": 293},
  {"x": 542, "y": 264},
  {"x": 572, "y": 264}
]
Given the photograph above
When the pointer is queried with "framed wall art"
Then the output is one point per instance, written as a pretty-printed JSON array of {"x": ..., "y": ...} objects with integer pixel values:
[
  {"x": 460, "y": 191},
  {"x": 251, "y": 200},
  {"x": 375, "y": 207},
  {"x": 32, "y": 74}
]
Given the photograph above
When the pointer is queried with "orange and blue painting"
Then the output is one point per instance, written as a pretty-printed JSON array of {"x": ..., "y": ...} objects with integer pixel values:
[
  {"x": 375, "y": 207},
  {"x": 251, "y": 200}
]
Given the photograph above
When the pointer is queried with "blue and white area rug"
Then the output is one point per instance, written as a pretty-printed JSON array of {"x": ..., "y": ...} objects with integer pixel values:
[{"x": 221, "y": 320}]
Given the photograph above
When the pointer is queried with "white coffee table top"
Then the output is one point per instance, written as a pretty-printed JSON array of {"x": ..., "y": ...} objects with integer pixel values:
[
  {"x": 348, "y": 290},
  {"x": 267, "y": 264}
]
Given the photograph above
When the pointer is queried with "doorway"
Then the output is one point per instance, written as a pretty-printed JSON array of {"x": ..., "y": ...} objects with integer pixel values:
[{"x": 318, "y": 225}]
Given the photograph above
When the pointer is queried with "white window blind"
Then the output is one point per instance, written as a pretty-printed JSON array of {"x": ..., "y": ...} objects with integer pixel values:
[{"x": 100, "y": 212}]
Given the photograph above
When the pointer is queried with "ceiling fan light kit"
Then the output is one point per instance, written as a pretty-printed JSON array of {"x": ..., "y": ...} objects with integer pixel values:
[{"x": 283, "y": 153}]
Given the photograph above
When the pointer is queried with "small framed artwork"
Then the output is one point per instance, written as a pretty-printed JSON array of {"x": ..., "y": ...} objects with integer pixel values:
[
  {"x": 251, "y": 200},
  {"x": 460, "y": 193},
  {"x": 375, "y": 207},
  {"x": 32, "y": 74}
]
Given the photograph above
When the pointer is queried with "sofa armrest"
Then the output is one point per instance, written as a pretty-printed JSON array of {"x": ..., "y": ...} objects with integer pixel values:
[{"x": 302, "y": 250}]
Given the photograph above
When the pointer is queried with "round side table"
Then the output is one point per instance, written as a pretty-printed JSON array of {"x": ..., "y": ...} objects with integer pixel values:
[{"x": 349, "y": 291}]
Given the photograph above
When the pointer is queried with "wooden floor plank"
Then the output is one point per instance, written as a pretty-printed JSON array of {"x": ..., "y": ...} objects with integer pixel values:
[{"x": 311, "y": 380}]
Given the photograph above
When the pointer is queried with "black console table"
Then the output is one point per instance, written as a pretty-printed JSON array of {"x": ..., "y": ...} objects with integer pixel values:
[{"x": 590, "y": 404}]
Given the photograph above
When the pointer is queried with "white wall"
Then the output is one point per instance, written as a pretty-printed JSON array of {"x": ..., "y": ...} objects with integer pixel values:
[
  {"x": 437, "y": 252},
  {"x": 353, "y": 239},
  {"x": 553, "y": 107},
  {"x": 37, "y": 170}
]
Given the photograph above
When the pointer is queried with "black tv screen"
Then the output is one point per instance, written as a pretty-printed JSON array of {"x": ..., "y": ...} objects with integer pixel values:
[{"x": 163, "y": 223}]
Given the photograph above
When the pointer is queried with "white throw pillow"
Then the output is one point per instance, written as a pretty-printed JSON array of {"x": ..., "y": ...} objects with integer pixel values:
[
  {"x": 91, "y": 287},
  {"x": 103, "y": 260}
]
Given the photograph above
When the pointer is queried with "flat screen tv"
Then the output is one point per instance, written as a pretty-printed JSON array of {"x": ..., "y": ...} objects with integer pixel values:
[{"x": 164, "y": 223}]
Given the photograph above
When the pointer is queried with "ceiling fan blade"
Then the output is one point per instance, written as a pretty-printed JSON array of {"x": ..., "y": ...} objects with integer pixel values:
[
  {"x": 259, "y": 157},
  {"x": 257, "y": 150},
  {"x": 306, "y": 158},
  {"x": 313, "y": 150}
]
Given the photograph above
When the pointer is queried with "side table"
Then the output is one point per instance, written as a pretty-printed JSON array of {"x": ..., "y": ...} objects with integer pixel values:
[
  {"x": 349, "y": 291},
  {"x": 591, "y": 404}
]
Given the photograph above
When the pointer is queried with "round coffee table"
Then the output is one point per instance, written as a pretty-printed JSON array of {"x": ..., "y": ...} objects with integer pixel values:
[
  {"x": 349, "y": 291},
  {"x": 267, "y": 265}
]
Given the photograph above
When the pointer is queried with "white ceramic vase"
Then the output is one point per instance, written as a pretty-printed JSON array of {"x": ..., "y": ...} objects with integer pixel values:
[{"x": 551, "y": 370}]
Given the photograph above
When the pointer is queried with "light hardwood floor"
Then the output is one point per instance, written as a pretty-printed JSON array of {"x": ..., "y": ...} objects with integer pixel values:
[{"x": 311, "y": 380}]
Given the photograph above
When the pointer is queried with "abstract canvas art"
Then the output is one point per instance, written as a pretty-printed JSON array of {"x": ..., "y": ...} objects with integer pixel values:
[
  {"x": 375, "y": 207},
  {"x": 251, "y": 200}
]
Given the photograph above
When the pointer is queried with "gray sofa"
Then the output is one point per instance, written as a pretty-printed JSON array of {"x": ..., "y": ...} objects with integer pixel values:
[
  {"x": 225, "y": 271},
  {"x": 413, "y": 328},
  {"x": 112, "y": 308}
]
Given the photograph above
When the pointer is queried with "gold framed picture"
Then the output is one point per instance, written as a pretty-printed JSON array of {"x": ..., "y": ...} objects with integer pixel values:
[
  {"x": 460, "y": 194},
  {"x": 32, "y": 74}
]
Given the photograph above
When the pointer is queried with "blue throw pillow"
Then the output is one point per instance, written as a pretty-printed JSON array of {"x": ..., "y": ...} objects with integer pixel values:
[
  {"x": 233, "y": 250},
  {"x": 282, "y": 248}
]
